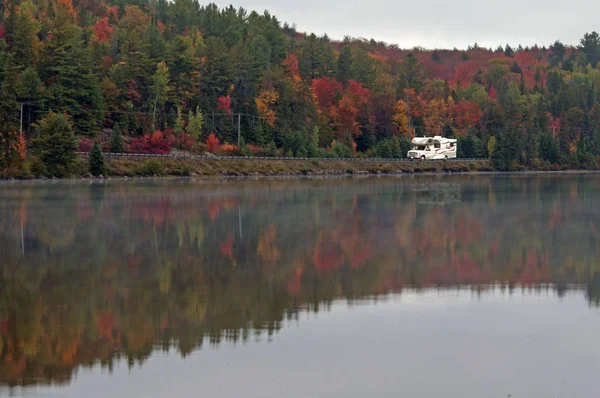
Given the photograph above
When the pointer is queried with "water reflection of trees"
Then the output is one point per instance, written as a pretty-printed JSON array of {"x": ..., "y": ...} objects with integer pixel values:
[{"x": 95, "y": 273}]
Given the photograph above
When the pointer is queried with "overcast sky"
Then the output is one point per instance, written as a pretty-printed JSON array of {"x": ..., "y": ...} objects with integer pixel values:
[{"x": 438, "y": 23}]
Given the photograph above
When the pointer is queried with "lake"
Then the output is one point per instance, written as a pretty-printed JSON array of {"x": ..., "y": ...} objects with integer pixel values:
[{"x": 414, "y": 286}]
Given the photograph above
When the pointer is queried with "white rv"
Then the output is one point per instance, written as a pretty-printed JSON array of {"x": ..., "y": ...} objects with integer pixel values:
[{"x": 432, "y": 148}]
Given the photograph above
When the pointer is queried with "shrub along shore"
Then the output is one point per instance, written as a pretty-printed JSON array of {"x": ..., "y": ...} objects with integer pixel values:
[
  {"x": 156, "y": 167},
  {"x": 179, "y": 167}
]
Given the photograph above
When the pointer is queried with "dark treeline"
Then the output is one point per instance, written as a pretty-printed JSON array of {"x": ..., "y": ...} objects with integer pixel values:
[{"x": 146, "y": 76}]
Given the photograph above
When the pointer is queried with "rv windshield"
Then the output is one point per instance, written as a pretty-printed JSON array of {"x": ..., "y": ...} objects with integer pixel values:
[{"x": 419, "y": 148}]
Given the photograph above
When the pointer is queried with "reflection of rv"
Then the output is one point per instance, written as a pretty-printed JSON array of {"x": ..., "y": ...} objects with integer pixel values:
[
  {"x": 438, "y": 194},
  {"x": 432, "y": 148}
]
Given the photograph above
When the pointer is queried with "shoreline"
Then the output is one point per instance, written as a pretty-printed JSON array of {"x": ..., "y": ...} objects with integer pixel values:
[
  {"x": 181, "y": 167},
  {"x": 129, "y": 168}
]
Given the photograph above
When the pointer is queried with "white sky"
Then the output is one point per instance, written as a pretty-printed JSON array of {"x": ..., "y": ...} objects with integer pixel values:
[{"x": 437, "y": 23}]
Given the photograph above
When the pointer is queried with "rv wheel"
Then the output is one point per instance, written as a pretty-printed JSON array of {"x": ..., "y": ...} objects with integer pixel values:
[
  {"x": 422, "y": 158},
  {"x": 446, "y": 157}
]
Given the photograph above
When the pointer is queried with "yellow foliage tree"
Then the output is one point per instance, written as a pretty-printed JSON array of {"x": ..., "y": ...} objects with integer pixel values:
[
  {"x": 265, "y": 105},
  {"x": 400, "y": 118},
  {"x": 436, "y": 116}
]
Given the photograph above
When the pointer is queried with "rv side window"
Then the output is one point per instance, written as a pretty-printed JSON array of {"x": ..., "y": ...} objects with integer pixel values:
[
  {"x": 452, "y": 145},
  {"x": 436, "y": 145}
]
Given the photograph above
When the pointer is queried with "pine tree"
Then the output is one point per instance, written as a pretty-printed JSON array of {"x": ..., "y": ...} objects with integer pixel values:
[
  {"x": 271, "y": 149},
  {"x": 412, "y": 73},
  {"x": 498, "y": 159},
  {"x": 116, "y": 140},
  {"x": 96, "y": 161},
  {"x": 395, "y": 149},
  {"x": 9, "y": 110},
  {"x": 195, "y": 124},
  {"x": 548, "y": 148},
  {"x": 216, "y": 72},
  {"x": 67, "y": 71},
  {"x": 179, "y": 126},
  {"x": 344, "y": 65},
  {"x": 55, "y": 144},
  {"x": 29, "y": 90}
]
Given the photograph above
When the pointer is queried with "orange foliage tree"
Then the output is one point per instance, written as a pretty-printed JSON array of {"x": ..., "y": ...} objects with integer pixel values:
[
  {"x": 212, "y": 142},
  {"x": 103, "y": 31},
  {"x": 265, "y": 105}
]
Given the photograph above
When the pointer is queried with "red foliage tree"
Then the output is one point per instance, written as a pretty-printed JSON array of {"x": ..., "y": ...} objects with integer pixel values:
[
  {"x": 226, "y": 248},
  {"x": 103, "y": 31},
  {"x": 344, "y": 118},
  {"x": 465, "y": 72},
  {"x": 213, "y": 142},
  {"x": 465, "y": 114},
  {"x": 85, "y": 145},
  {"x": 224, "y": 103},
  {"x": 359, "y": 95},
  {"x": 291, "y": 65},
  {"x": 326, "y": 90},
  {"x": 155, "y": 143}
]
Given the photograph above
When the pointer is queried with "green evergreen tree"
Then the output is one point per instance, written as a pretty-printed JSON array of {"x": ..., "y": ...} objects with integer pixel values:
[
  {"x": 9, "y": 110},
  {"x": 412, "y": 73},
  {"x": 384, "y": 150},
  {"x": 405, "y": 146},
  {"x": 499, "y": 159},
  {"x": 157, "y": 47},
  {"x": 271, "y": 149},
  {"x": 195, "y": 124},
  {"x": 515, "y": 68},
  {"x": 66, "y": 68},
  {"x": 548, "y": 148},
  {"x": 395, "y": 149},
  {"x": 96, "y": 161},
  {"x": 344, "y": 65},
  {"x": 179, "y": 126},
  {"x": 55, "y": 144},
  {"x": 590, "y": 47},
  {"x": 216, "y": 72},
  {"x": 116, "y": 140},
  {"x": 29, "y": 91}
]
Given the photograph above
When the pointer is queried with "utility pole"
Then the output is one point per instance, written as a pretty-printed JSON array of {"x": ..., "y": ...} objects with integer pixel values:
[
  {"x": 239, "y": 127},
  {"x": 21, "y": 122}
]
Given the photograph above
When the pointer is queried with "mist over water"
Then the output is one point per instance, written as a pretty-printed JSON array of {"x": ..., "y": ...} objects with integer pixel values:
[{"x": 455, "y": 286}]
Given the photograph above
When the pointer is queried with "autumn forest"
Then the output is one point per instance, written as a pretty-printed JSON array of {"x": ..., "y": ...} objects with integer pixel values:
[{"x": 158, "y": 76}]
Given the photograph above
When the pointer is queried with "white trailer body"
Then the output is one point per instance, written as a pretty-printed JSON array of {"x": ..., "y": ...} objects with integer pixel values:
[{"x": 432, "y": 148}]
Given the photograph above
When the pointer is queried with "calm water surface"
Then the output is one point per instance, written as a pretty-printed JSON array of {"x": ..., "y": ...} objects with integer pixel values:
[{"x": 422, "y": 286}]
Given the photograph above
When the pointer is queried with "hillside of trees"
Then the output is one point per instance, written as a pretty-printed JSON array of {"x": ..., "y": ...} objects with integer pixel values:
[
  {"x": 97, "y": 273},
  {"x": 157, "y": 76}
]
